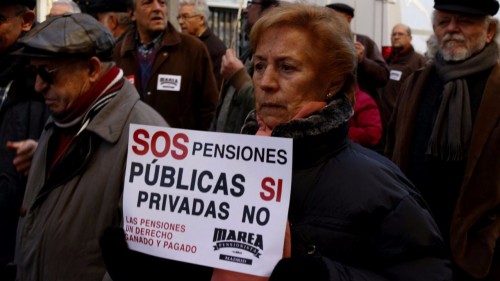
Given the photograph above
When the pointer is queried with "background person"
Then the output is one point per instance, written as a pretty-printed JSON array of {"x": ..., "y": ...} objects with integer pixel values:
[
  {"x": 171, "y": 71},
  {"x": 237, "y": 97},
  {"x": 445, "y": 135},
  {"x": 372, "y": 70},
  {"x": 114, "y": 15},
  {"x": 22, "y": 116},
  {"x": 402, "y": 61},
  {"x": 193, "y": 19},
  {"x": 60, "y": 7},
  {"x": 76, "y": 179}
]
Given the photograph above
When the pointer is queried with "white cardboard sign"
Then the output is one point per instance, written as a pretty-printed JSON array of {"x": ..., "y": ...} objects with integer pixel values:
[{"x": 213, "y": 199}]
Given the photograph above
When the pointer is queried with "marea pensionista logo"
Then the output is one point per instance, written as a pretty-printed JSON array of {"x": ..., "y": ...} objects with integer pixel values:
[{"x": 237, "y": 242}]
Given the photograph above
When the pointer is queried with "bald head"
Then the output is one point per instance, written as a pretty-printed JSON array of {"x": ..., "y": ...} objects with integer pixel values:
[{"x": 401, "y": 36}]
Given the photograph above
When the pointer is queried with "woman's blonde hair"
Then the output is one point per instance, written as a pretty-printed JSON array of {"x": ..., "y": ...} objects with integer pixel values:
[{"x": 332, "y": 37}]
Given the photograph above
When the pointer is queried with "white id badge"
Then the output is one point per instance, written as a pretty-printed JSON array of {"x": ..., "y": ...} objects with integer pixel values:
[
  {"x": 395, "y": 75},
  {"x": 169, "y": 82}
]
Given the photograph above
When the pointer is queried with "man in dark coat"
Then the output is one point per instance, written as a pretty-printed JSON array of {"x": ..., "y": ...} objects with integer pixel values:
[
  {"x": 172, "y": 71},
  {"x": 402, "y": 61},
  {"x": 372, "y": 69},
  {"x": 193, "y": 19},
  {"x": 22, "y": 116},
  {"x": 445, "y": 135}
]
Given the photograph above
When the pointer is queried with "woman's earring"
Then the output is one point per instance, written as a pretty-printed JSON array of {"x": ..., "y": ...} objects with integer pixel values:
[{"x": 329, "y": 95}]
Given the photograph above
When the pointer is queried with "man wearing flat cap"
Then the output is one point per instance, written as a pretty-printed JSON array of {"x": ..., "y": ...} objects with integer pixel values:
[
  {"x": 22, "y": 117},
  {"x": 76, "y": 179},
  {"x": 445, "y": 135}
]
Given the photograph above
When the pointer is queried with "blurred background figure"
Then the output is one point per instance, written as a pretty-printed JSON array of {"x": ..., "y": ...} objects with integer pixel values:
[
  {"x": 114, "y": 15},
  {"x": 193, "y": 19},
  {"x": 60, "y": 7},
  {"x": 372, "y": 70},
  {"x": 432, "y": 48},
  {"x": 237, "y": 96},
  {"x": 365, "y": 125},
  {"x": 22, "y": 117},
  {"x": 403, "y": 60}
]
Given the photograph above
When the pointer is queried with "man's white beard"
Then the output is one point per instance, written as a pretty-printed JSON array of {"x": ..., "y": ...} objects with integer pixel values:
[{"x": 462, "y": 53}]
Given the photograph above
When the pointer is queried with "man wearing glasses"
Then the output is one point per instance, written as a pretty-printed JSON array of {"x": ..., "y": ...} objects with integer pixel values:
[
  {"x": 193, "y": 19},
  {"x": 402, "y": 61},
  {"x": 22, "y": 116},
  {"x": 76, "y": 180}
]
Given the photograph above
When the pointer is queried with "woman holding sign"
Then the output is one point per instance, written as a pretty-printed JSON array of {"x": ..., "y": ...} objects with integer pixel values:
[{"x": 353, "y": 215}]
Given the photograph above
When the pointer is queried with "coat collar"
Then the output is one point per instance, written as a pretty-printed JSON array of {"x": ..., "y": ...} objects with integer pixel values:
[
  {"x": 109, "y": 123},
  {"x": 171, "y": 37}
]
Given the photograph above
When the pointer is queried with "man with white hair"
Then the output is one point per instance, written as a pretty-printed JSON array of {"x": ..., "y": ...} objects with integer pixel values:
[
  {"x": 60, "y": 7},
  {"x": 193, "y": 19},
  {"x": 445, "y": 135}
]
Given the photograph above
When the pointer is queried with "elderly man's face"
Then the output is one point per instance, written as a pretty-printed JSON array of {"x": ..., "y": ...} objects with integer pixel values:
[
  {"x": 400, "y": 37},
  {"x": 460, "y": 36},
  {"x": 287, "y": 74},
  {"x": 61, "y": 82},
  {"x": 189, "y": 21},
  {"x": 151, "y": 18}
]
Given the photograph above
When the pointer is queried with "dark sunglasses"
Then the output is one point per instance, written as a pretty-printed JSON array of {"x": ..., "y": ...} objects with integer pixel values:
[{"x": 47, "y": 75}]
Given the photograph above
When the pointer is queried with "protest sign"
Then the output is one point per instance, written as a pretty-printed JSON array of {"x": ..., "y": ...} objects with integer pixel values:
[{"x": 214, "y": 199}]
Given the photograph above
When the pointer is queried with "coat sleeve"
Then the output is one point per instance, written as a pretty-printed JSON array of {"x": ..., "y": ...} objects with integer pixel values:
[
  {"x": 373, "y": 70},
  {"x": 408, "y": 246}
]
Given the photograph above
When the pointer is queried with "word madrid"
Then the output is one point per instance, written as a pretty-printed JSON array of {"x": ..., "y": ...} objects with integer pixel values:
[{"x": 161, "y": 144}]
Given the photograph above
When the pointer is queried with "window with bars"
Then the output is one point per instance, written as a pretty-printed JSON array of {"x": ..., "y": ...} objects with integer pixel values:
[{"x": 222, "y": 21}]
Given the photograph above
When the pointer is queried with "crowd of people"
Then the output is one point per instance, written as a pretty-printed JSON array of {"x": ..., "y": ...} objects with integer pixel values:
[{"x": 396, "y": 160}]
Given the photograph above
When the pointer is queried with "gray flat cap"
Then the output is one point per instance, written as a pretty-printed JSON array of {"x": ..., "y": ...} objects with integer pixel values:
[{"x": 68, "y": 35}]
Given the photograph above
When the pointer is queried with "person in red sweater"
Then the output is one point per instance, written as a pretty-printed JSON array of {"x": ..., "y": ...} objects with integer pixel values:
[{"x": 365, "y": 126}]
